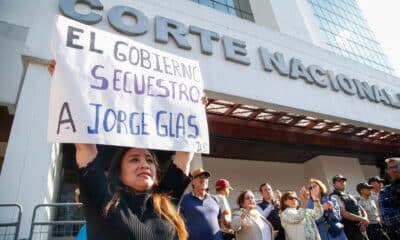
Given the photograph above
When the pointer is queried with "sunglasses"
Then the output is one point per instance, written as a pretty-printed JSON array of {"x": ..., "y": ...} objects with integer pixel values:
[
  {"x": 312, "y": 186},
  {"x": 292, "y": 198},
  {"x": 397, "y": 167}
]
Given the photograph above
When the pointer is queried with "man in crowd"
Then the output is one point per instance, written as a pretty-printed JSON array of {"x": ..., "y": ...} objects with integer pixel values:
[
  {"x": 223, "y": 189},
  {"x": 355, "y": 219},
  {"x": 200, "y": 209},
  {"x": 389, "y": 199},
  {"x": 375, "y": 230},
  {"x": 377, "y": 183},
  {"x": 269, "y": 208}
]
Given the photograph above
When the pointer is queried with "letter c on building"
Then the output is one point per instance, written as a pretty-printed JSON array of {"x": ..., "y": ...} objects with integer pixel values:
[{"x": 67, "y": 8}]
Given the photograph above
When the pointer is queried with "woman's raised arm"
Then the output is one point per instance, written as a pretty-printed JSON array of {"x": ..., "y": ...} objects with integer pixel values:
[
  {"x": 85, "y": 154},
  {"x": 182, "y": 160}
]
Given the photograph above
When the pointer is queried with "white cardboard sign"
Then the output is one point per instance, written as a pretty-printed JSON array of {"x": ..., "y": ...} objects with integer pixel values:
[{"x": 109, "y": 89}]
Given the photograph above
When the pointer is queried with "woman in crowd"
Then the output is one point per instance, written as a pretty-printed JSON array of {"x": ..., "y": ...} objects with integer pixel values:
[
  {"x": 299, "y": 223},
  {"x": 331, "y": 213},
  {"x": 247, "y": 222},
  {"x": 132, "y": 203}
]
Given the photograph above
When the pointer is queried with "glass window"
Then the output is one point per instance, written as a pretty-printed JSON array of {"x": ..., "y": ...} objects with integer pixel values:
[
  {"x": 240, "y": 8},
  {"x": 221, "y": 7},
  {"x": 347, "y": 32},
  {"x": 207, "y": 3},
  {"x": 232, "y": 11}
]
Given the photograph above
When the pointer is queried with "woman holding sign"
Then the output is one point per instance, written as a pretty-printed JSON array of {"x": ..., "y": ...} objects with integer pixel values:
[{"x": 133, "y": 202}]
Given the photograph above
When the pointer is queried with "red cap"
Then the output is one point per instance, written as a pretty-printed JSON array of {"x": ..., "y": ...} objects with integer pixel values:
[{"x": 223, "y": 183}]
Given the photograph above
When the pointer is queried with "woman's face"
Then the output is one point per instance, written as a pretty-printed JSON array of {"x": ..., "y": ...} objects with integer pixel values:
[
  {"x": 291, "y": 201},
  {"x": 249, "y": 200},
  {"x": 314, "y": 189},
  {"x": 138, "y": 169}
]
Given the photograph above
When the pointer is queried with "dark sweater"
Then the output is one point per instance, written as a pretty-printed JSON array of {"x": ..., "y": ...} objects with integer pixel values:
[{"x": 135, "y": 217}]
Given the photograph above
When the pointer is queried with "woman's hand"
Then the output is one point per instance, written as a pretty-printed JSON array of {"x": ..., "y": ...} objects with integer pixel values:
[
  {"x": 182, "y": 160},
  {"x": 204, "y": 99},
  {"x": 51, "y": 67},
  {"x": 303, "y": 194},
  {"x": 327, "y": 206},
  {"x": 85, "y": 154}
]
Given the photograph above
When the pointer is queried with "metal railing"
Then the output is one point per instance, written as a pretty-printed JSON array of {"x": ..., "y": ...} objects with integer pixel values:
[
  {"x": 65, "y": 226},
  {"x": 9, "y": 229}
]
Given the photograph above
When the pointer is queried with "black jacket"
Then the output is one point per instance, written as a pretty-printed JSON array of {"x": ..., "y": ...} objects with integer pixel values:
[{"x": 135, "y": 217}]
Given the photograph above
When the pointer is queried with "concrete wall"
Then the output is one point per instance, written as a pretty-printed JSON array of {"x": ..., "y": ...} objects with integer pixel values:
[
  {"x": 264, "y": 14},
  {"x": 246, "y": 174},
  {"x": 325, "y": 167},
  {"x": 12, "y": 41},
  {"x": 289, "y": 19},
  {"x": 16, "y": 16},
  {"x": 30, "y": 173},
  {"x": 369, "y": 171},
  {"x": 309, "y": 21}
]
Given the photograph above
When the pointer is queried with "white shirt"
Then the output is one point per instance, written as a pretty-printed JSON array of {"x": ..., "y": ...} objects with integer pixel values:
[
  {"x": 225, "y": 208},
  {"x": 265, "y": 228}
]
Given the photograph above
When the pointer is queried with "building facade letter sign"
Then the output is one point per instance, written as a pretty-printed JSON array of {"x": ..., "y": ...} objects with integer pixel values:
[
  {"x": 67, "y": 8},
  {"x": 115, "y": 19},
  {"x": 234, "y": 50}
]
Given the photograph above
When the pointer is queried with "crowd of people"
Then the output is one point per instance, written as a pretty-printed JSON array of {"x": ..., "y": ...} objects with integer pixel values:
[
  {"x": 134, "y": 202},
  {"x": 312, "y": 214}
]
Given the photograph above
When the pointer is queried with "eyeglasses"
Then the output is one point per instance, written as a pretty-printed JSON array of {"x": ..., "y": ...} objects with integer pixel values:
[
  {"x": 396, "y": 167},
  {"x": 292, "y": 198},
  {"x": 312, "y": 186}
]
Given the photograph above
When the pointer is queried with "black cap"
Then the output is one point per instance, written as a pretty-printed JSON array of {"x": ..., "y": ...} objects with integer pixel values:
[
  {"x": 375, "y": 179},
  {"x": 338, "y": 177},
  {"x": 363, "y": 185}
]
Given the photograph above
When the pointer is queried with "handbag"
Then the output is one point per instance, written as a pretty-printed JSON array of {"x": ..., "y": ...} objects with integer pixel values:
[{"x": 335, "y": 228}]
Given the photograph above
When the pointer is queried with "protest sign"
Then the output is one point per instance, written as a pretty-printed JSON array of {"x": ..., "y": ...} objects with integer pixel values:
[{"x": 109, "y": 89}]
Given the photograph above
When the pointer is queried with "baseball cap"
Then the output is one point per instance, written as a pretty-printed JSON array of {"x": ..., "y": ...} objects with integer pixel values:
[
  {"x": 363, "y": 185},
  {"x": 200, "y": 171},
  {"x": 375, "y": 179},
  {"x": 338, "y": 177},
  {"x": 223, "y": 183}
]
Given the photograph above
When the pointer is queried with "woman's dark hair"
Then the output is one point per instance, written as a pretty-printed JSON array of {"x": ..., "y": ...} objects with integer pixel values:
[
  {"x": 241, "y": 197},
  {"x": 285, "y": 197},
  {"x": 114, "y": 172},
  {"x": 161, "y": 202},
  {"x": 115, "y": 187}
]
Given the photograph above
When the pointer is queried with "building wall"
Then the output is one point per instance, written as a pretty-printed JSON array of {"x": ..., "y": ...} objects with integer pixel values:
[
  {"x": 369, "y": 171},
  {"x": 264, "y": 14},
  {"x": 16, "y": 16},
  {"x": 30, "y": 173},
  {"x": 325, "y": 167},
  {"x": 12, "y": 41},
  {"x": 246, "y": 174}
]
